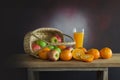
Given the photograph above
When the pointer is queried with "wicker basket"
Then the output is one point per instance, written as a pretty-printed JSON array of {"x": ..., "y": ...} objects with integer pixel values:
[{"x": 43, "y": 34}]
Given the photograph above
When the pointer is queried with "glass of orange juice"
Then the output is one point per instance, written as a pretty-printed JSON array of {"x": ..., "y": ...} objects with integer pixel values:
[{"x": 78, "y": 38}]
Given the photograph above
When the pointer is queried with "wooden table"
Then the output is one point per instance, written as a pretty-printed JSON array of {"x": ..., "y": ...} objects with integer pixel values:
[{"x": 35, "y": 65}]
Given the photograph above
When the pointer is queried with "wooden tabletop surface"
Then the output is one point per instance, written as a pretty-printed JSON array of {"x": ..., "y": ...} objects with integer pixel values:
[{"x": 27, "y": 61}]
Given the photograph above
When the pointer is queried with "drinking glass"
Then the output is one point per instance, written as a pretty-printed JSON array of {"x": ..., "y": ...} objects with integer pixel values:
[{"x": 78, "y": 37}]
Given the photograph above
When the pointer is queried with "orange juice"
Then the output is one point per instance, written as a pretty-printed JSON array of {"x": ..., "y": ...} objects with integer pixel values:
[{"x": 78, "y": 37}]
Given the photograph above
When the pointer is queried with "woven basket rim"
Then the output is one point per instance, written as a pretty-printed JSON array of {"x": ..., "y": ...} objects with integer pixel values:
[
  {"x": 47, "y": 28},
  {"x": 27, "y": 44}
]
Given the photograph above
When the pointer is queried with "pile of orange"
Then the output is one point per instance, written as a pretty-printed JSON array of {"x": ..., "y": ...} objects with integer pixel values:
[
  {"x": 81, "y": 54},
  {"x": 92, "y": 54}
]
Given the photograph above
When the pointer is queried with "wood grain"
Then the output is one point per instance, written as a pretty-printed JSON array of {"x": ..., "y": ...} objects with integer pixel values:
[{"x": 27, "y": 61}]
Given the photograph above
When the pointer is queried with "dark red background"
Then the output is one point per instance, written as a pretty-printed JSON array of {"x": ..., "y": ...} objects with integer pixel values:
[{"x": 102, "y": 16}]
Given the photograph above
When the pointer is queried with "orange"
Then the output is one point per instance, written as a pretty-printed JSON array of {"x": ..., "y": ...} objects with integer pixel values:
[
  {"x": 62, "y": 47},
  {"x": 46, "y": 49},
  {"x": 87, "y": 58},
  {"x": 43, "y": 53},
  {"x": 94, "y": 52},
  {"x": 77, "y": 53},
  {"x": 66, "y": 55},
  {"x": 106, "y": 53},
  {"x": 84, "y": 49}
]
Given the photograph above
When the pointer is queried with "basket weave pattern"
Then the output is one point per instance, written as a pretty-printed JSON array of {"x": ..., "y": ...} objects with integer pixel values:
[{"x": 42, "y": 34}]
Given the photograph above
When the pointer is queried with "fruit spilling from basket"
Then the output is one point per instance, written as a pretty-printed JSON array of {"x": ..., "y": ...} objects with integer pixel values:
[{"x": 67, "y": 53}]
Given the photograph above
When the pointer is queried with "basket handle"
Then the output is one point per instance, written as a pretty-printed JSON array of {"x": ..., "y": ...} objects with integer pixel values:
[
  {"x": 68, "y": 36},
  {"x": 39, "y": 38},
  {"x": 69, "y": 43}
]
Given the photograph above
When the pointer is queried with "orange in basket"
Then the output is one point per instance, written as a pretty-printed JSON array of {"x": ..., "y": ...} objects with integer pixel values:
[
  {"x": 43, "y": 53},
  {"x": 62, "y": 47}
]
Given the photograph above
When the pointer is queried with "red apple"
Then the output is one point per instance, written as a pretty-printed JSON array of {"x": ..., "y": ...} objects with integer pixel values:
[
  {"x": 35, "y": 47},
  {"x": 59, "y": 38},
  {"x": 53, "y": 55}
]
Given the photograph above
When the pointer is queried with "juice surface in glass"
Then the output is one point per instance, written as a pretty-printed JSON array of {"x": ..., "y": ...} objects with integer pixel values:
[{"x": 78, "y": 37}]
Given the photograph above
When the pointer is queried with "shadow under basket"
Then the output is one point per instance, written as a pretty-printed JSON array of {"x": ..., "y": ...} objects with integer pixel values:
[{"x": 44, "y": 34}]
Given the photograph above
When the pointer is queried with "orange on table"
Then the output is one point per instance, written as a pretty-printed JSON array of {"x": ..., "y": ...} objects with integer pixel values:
[
  {"x": 62, "y": 47},
  {"x": 77, "y": 53},
  {"x": 106, "y": 53},
  {"x": 66, "y": 55},
  {"x": 87, "y": 58},
  {"x": 43, "y": 53},
  {"x": 84, "y": 49},
  {"x": 94, "y": 52}
]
